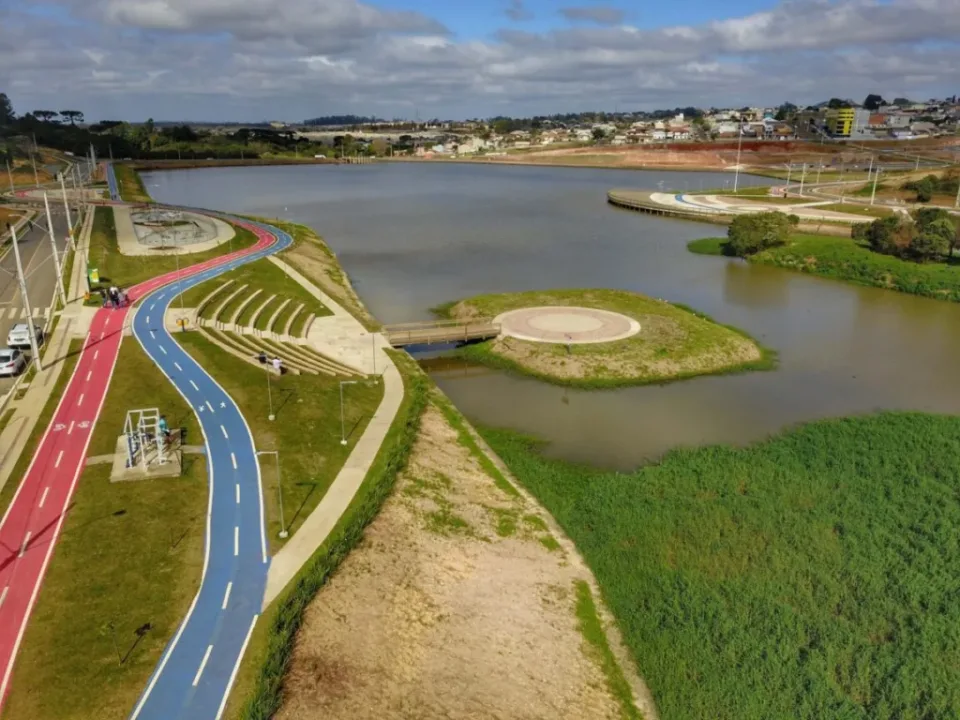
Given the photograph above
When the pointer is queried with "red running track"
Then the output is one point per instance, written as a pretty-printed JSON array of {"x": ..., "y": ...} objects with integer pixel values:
[{"x": 31, "y": 525}]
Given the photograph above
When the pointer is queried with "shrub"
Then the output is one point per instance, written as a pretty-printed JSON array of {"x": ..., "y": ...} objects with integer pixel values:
[{"x": 752, "y": 233}]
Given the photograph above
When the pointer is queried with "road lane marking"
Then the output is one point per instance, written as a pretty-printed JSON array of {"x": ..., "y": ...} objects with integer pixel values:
[
  {"x": 177, "y": 366},
  {"x": 96, "y": 354},
  {"x": 151, "y": 305},
  {"x": 225, "y": 436},
  {"x": 194, "y": 385},
  {"x": 233, "y": 459},
  {"x": 203, "y": 664},
  {"x": 89, "y": 373},
  {"x": 209, "y": 406},
  {"x": 43, "y": 498},
  {"x": 26, "y": 539},
  {"x": 162, "y": 349},
  {"x": 153, "y": 335},
  {"x": 236, "y": 668},
  {"x": 70, "y": 429},
  {"x": 3, "y": 595},
  {"x": 80, "y": 401},
  {"x": 226, "y": 596},
  {"x": 59, "y": 458},
  {"x": 101, "y": 335},
  {"x": 238, "y": 493},
  {"x": 148, "y": 319},
  {"x": 236, "y": 540}
]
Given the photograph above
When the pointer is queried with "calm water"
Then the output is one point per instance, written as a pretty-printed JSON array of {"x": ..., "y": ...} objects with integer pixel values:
[{"x": 414, "y": 236}]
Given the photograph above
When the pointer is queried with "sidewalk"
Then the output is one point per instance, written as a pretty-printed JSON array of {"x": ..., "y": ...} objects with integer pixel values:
[
  {"x": 74, "y": 322},
  {"x": 342, "y": 337}
]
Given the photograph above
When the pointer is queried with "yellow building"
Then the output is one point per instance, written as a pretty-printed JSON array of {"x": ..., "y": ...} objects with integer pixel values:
[{"x": 840, "y": 121}]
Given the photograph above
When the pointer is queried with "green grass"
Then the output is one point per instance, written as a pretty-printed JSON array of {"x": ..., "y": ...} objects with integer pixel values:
[
  {"x": 264, "y": 317},
  {"x": 126, "y": 271},
  {"x": 20, "y": 469},
  {"x": 257, "y": 694},
  {"x": 138, "y": 383},
  {"x": 844, "y": 259},
  {"x": 130, "y": 553},
  {"x": 751, "y": 191},
  {"x": 5, "y": 418},
  {"x": 868, "y": 211},
  {"x": 674, "y": 343},
  {"x": 130, "y": 185},
  {"x": 259, "y": 275},
  {"x": 592, "y": 630},
  {"x": 306, "y": 431},
  {"x": 814, "y": 575}
]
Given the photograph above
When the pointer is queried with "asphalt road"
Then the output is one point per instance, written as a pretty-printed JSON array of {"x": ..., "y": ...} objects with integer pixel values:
[{"x": 36, "y": 255}]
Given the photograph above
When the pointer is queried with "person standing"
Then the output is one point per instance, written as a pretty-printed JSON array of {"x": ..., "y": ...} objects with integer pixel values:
[{"x": 278, "y": 366}]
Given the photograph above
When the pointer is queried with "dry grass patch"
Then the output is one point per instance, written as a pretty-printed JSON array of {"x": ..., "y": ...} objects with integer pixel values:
[
  {"x": 452, "y": 606},
  {"x": 674, "y": 342}
]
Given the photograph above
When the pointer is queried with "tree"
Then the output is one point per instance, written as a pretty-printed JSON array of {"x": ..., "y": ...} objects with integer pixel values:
[
  {"x": 598, "y": 134},
  {"x": 73, "y": 116},
  {"x": 6, "y": 110},
  {"x": 751, "y": 233},
  {"x": 837, "y": 103},
  {"x": 901, "y": 101},
  {"x": 925, "y": 189},
  {"x": 882, "y": 234},
  {"x": 45, "y": 115},
  {"x": 785, "y": 111},
  {"x": 873, "y": 102},
  {"x": 933, "y": 240}
]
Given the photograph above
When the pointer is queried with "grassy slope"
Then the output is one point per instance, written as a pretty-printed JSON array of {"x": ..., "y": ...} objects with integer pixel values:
[
  {"x": 306, "y": 430},
  {"x": 843, "y": 259},
  {"x": 130, "y": 184},
  {"x": 810, "y": 576},
  {"x": 130, "y": 553},
  {"x": 263, "y": 275},
  {"x": 700, "y": 337},
  {"x": 126, "y": 271}
]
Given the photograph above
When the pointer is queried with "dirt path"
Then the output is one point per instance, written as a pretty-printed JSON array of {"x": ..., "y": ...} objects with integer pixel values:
[{"x": 459, "y": 603}]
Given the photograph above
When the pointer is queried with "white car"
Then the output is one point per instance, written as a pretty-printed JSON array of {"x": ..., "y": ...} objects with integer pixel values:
[
  {"x": 19, "y": 335},
  {"x": 12, "y": 362}
]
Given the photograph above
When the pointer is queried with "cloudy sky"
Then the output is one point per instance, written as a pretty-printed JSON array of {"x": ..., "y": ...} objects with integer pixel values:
[{"x": 252, "y": 60}]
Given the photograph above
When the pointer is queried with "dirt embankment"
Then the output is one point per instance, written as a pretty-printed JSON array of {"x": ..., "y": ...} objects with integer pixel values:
[{"x": 459, "y": 603}]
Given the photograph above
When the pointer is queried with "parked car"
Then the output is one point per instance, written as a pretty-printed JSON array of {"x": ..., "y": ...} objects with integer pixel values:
[
  {"x": 12, "y": 362},
  {"x": 19, "y": 335}
]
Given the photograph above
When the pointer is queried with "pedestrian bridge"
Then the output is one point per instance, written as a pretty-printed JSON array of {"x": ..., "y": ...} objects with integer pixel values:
[{"x": 433, "y": 332}]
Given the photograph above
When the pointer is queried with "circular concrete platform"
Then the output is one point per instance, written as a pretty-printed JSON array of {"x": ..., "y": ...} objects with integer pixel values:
[{"x": 566, "y": 325}]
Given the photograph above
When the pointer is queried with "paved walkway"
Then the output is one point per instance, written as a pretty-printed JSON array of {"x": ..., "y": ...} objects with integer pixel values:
[
  {"x": 129, "y": 242},
  {"x": 342, "y": 337},
  {"x": 714, "y": 204}
]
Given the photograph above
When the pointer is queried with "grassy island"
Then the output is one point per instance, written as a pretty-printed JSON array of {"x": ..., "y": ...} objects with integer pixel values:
[
  {"x": 813, "y": 575},
  {"x": 674, "y": 341},
  {"x": 846, "y": 259}
]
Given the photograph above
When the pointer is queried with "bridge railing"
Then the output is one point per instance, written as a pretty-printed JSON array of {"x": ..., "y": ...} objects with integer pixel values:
[{"x": 441, "y": 331}]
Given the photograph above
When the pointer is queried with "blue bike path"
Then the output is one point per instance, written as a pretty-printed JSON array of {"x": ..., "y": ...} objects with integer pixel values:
[{"x": 197, "y": 669}]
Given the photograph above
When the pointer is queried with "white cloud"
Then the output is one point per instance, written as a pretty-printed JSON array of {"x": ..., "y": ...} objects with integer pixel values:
[{"x": 298, "y": 58}]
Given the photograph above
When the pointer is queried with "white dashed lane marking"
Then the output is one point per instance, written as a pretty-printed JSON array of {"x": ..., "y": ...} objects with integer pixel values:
[{"x": 203, "y": 664}]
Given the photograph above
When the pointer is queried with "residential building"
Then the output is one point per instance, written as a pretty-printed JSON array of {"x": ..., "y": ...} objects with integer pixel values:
[{"x": 840, "y": 121}]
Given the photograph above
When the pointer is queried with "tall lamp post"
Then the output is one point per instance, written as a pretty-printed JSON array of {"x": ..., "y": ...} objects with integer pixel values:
[
  {"x": 343, "y": 434},
  {"x": 31, "y": 331},
  {"x": 873, "y": 193},
  {"x": 283, "y": 525},
  {"x": 736, "y": 177}
]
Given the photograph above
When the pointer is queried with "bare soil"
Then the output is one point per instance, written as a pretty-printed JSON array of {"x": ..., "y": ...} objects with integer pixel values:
[{"x": 457, "y": 604}]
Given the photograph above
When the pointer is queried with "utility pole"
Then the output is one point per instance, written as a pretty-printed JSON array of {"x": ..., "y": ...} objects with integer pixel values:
[
  {"x": 56, "y": 258},
  {"x": 66, "y": 209},
  {"x": 803, "y": 177},
  {"x": 870, "y": 170},
  {"x": 26, "y": 300},
  {"x": 36, "y": 178},
  {"x": 736, "y": 177},
  {"x": 873, "y": 194},
  {"x": 10, "y": 175}
]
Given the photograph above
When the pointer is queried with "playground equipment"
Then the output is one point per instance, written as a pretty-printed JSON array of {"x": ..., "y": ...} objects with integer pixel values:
[{"x": 146, "y": 444}]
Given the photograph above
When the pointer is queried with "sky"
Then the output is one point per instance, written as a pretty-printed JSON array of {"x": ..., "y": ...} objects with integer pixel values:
[{"x": 255, "y": 60}]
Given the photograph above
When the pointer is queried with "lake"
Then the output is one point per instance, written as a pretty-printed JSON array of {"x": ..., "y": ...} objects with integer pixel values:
[{"x": 415, "y": 235}]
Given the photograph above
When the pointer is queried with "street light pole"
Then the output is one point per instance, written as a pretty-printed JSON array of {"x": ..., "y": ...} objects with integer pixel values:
[
  {"x": 26, "y": 300},
  {"x": 343, "y": 434},
  {"x": 56, "y": 257},
  {"x": 271, "y": 416},
  {"x": 10, "y": 175},
  {"x": 736, "y": 177},
  {"x": 873, "y": 193},
  {"x": 803, "y": 176},
  {"x": 36, "y": 178}
]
